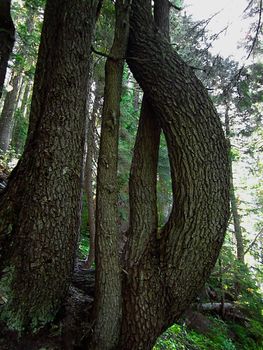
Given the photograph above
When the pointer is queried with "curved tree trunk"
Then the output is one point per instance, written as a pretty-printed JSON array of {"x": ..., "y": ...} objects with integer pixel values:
[
  {"x": 171, "y": 267},
  {"x": 143, "y": 176},
  {"x": 7, "y": 38},
  {"x": 40, "y": 209}
]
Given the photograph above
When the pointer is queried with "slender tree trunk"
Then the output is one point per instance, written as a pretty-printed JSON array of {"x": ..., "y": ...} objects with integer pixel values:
[
  {"x": 170, "y": 268},
  {"x": 89, "y": 179},
  {"x": 40, "y": 209},
  {"x": 7, "y": 116},
  {"x": 233, "y": 199},
  {"x": 136, "y": 96},
  {"x": 12, "y": 97},
  {"x": 7, "y": 38},
  {"x": 21, "y": 122},
  {"x": 108, "y": 302}
]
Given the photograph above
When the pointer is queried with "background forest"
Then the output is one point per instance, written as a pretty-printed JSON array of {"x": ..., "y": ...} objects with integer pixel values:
[{"x": 227, "y": 314}]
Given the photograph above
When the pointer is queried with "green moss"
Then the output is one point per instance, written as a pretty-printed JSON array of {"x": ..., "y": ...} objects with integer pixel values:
[
  {"x": 11, "y": 318},
  {"x": 19, "y": 315}
]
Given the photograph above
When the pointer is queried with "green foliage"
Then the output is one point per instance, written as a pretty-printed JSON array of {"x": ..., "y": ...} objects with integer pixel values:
[
  {"x": 180, "y": 338},
  {"x": 84, "y": 235},
  {"x": 223, "y": 336},
  {"x": 20, "y": 131},
  {"x": 249, "y": 337}
]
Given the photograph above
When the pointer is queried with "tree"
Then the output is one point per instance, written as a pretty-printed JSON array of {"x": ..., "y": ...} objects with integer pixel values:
[
  {"x": 108, "y": 302},
  {"x": 161, "y": 270},
  {"x": 160, "y": 276},
  {"x": 7, "y": 39},
  {"x": 25, "y": 55},
  {"x": 40, "y": 209},
  {"x": 6, "y": 121}
]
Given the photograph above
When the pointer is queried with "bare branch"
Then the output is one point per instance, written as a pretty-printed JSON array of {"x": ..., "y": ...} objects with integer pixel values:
[
  {"x": 254, "y": 241},
  {"x": 258, "y": 29}
]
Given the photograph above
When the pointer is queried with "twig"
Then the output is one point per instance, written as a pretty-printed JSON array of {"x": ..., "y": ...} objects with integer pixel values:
[
  {"x": 253, "y": 242},
  {"x": 257, "y": 31},
  {"x": 104, "y": 54}
]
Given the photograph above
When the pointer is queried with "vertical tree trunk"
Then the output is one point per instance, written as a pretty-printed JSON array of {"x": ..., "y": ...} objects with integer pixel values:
[
  {"x": 7, "y": 38},
  {"x": 7, "y": 115},
  {"x": 88, "y": 182},
  {"x": 40, "y": 210},
  {"x": 136, "y": 96},
  {"x": 21, "y": 122},
  {"x": 108, "y": 302},
  {"x": 233, "y": 199}
]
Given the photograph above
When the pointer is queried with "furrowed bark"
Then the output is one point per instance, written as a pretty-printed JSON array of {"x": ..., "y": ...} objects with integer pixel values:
[
  {"x": 143, "y": 176},
  {"x": 108, "y": 298},
  {"x": 174, "y": 267},
  {"x": 40, "y": 209},
  {"x": 142, "y": 185},
  {"x": 142, "y": 299}
]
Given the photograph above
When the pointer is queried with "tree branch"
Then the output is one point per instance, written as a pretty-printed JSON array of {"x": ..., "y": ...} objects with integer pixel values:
[
  {"x": 257, "y": 30},
  {"x": 175, "y": 6},
  {"x": 254, "y": 241}
]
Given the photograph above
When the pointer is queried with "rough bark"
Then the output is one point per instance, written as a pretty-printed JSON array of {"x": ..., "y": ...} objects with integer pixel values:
[
  {"x": 161, "y": 282},
  {"x": 7, "y": 115},
  {"x": 40, "y": 210},
  {"x": 143, "y": 175},
  {"x": 7, "y": 38},
  {"x": 161, "y": 16},
  {"x": 108, "y": 302}
]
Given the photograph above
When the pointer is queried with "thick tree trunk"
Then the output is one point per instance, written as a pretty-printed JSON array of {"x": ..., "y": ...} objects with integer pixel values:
[
  {"x": 7, "y": 115},
  {"x": 108, "y": 302},
  {"x": 7, "y": 38},
  {"x": 143, "y": 176},
  {"x": 40, "y": 210},
  {"x": 161, "y": 280}
]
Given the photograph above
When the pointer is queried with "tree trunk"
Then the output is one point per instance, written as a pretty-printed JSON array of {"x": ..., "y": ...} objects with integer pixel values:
[
  {"x": 108, "y": 302},
  {"x": 21, "y": 120},
  {"x": 7, "y": 116},
  {"x": 40, "y": 210},
  {"x": 160, "y": 280},
  {"x": 136, "y": 96},
  {"x": 88, "y": 182},
  {"x": 233, "y": 199},
  {"x": 7, "y": 38},
  {"x": 143, "y": 176}
]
